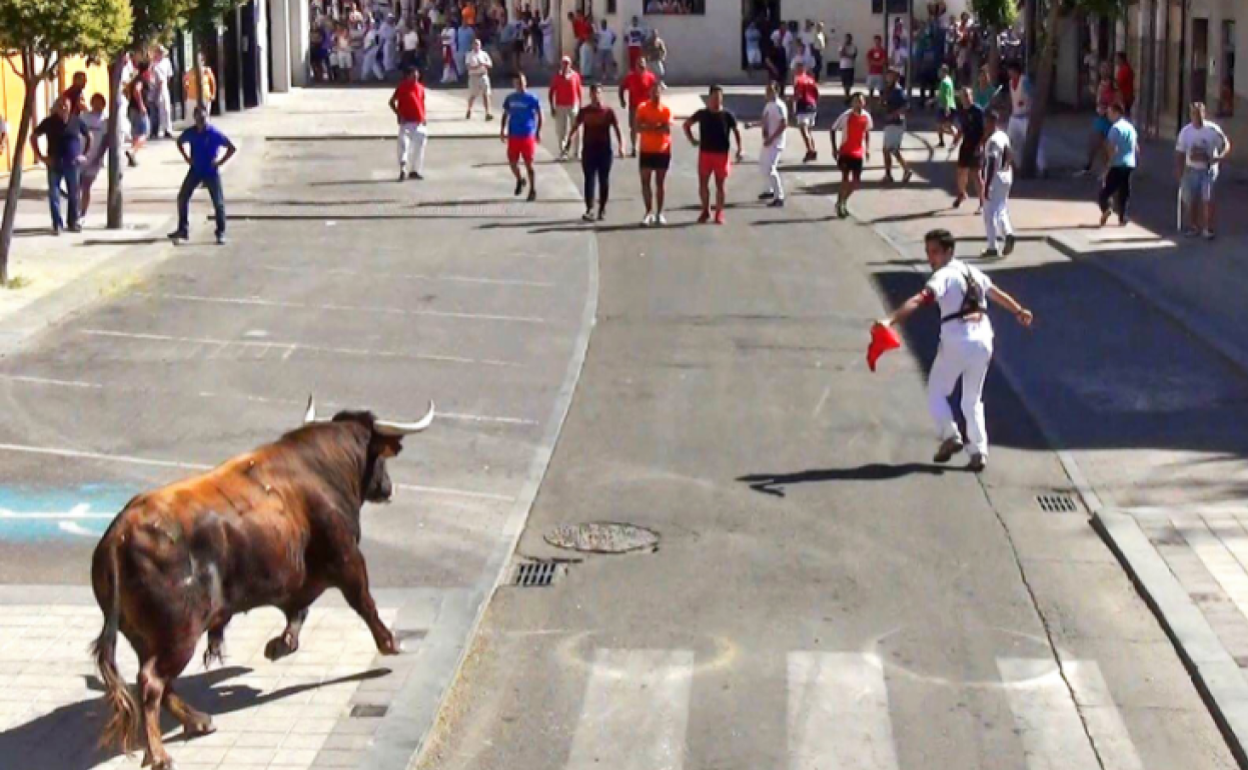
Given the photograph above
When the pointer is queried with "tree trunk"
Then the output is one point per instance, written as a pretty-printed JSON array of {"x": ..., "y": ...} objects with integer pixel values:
[
  {"x": 1043, "y": 92},
  {"x": 115, "y": 201},
  {"x": 15, "y": 177}
]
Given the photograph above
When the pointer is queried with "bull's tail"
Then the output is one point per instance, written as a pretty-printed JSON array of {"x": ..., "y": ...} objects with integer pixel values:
[{"x": 125, "y": 717}]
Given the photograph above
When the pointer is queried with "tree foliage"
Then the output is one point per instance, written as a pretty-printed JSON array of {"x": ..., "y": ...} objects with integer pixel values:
[{"x": 996, "y": 14}]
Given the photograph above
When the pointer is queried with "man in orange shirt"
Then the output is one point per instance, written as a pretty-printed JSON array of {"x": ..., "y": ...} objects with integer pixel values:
[
  {"x": 853, "y": 150},
  {"x": 565, "y": 100},
  {"x": 638, "y": 84},
  {"x": 654, "y": 127},
  {"x": 468, "y": 14}
]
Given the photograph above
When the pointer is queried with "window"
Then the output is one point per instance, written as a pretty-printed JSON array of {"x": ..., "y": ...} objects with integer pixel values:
[
  {"x": 675, "y": 7},
  {"x": 611, "y": 9}
]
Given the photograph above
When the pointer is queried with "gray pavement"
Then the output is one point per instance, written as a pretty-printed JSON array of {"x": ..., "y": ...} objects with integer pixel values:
[{"x": 335, "y": 282}]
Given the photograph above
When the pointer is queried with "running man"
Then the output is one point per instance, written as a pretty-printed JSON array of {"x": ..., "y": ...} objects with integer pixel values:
[
  {"x": 716, "y": 126},
  {"x": 968, "y": 141},
  {"x": 637, "y": 85},
  {"x": 1122, "y": 149},
  {"x": 479, "y": 64},
  {"x": 599, "y": 122},
  {"x": 205, "y": 169},
  {"x": 775, "y": 125},
  {"x": 896, "y": 105},
  {"x": 806, "y": 109},
  {"x": 946, "y": 105},
  {"x": 565, "y": 100},
  {"x": 854, "y": 150},
  {"x": 408, "y": 105},
  {"x": 962, "y": 293},
  {"x": 1201, "y": 147},
  {"x": 521, "y": 130},
  {"x": 994, "y": 196},
  {"x": 654, "y": 128}
]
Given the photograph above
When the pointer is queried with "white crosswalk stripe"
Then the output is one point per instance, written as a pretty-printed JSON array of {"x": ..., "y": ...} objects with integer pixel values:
[
  {"x": 838, "y": 713},
  {"x": 635, "y": 712},
  {"x": 1053, "y": 733}
]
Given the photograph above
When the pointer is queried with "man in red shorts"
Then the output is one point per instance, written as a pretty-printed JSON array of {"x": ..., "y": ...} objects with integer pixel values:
[
  {"x": 637, "y": 85},
  {"x": 521, "y": 130},
  {"x": 854, "y": 149},
  {"x": 715, "y": 127}
]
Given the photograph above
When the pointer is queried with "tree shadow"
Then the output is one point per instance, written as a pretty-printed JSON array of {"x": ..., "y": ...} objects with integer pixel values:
[
  {"x": 774, "y": 483},
  {"x": 67, "y": 737}
]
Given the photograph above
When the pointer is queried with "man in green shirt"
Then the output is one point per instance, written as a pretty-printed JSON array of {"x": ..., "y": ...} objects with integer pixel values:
[{"x": 946, "y": 104}]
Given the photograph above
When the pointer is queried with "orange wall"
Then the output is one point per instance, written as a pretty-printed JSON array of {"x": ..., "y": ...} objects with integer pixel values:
[{"x": 12, "y": 92}]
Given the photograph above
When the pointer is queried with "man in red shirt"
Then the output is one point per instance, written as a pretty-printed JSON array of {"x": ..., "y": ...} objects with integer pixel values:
[
  {"x": 1126, "y": 82},
  {"x": 408, "y": 105},
  {"x": 565, "y": 101},
  {"x": 853, "y": 151},
  {"x": 877, "y": 59},
  {"x": 806, "y": 108},
  {"x": 637, "y": 84}
]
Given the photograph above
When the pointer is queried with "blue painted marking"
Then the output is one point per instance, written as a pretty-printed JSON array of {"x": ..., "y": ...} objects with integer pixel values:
[{"x": 31, "y": 514}]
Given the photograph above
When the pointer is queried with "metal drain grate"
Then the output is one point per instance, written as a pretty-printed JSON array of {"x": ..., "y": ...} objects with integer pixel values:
[
  {"x": 1057, "y": 503},
  {"x": 368, "y": 711},
  {"x": 536, "y": 574}
]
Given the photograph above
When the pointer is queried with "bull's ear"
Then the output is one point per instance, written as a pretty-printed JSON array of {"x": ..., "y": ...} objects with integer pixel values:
[{"x": 388, "y": 446}]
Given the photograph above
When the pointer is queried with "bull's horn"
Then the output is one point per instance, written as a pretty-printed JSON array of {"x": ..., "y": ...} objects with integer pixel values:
[
  {"x": 310, "y": 415},
  {"x": 386, "y": 428}
]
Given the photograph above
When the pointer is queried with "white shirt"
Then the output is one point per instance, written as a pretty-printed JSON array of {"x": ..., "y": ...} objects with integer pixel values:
[
  {"x": 97, "y": 125},
  {"x": 478, "y": 63},
  {"x": 773, "y": 115},
  {"x": 448, "y": 37},
  {"x": 949, "y": 285},
  {"x": 163, "y": 72},
  {"x": 411, "y": 40},
  {"x": 994, "y": 150},
  {"x": 1201, "y": 145},
  {"x": 606, "y": 39},
  {"x": 849, "y": 54},
  {"x": 636, "y": 37}
]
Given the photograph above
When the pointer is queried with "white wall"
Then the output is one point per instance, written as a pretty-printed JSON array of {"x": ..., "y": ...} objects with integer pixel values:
[{"x": 279, "y": 18}]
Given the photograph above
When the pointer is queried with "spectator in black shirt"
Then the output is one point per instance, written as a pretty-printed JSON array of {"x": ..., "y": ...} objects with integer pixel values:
[
  {"x": 598, "y": 122},
  {"x": 715, "y": 127},
  {"x": 968, "y": 140},
  {"x": 68, "y": 141}
]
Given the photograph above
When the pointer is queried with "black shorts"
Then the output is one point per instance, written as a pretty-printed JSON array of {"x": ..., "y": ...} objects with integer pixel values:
[
  {"x": 969, "y": 156},
  {"x": 850, "y": 165},
  {"x": 655, "y": 161},
  {"x": 944, "y": 115}
]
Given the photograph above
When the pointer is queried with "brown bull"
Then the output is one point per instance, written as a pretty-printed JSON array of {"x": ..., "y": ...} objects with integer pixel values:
[{"x": 274, "y": 527}]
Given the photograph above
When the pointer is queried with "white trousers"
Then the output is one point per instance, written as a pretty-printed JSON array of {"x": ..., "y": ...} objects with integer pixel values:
[
  {"x": 412, "y": 139},
  {"x": 997, "y": 210},
  {"x": 966, "y": 360},
  {"x": 564, "y": 116},
  {"x": 769, "y": 165},
  {"x": 164, "y": 111},
  {"x": 1016, "y": 129}
]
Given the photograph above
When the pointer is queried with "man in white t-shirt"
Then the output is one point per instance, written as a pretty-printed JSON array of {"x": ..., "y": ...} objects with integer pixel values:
[
  {"x": 775, "y": 124},
  {"x": 996, "y": 181},
  {"x": 162, "y": 73},
  {"x": 1201, "y": 147},
  {"x": 605, "y": 52},
  {"x": 479, "y": 63},
  {"x": 96, "y": 122},
  {"x": 962, "y": 293},
  {"x": 635, "y": 38}
]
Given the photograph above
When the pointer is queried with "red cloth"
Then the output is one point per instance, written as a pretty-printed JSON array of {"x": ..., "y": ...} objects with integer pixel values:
[
  {"x": 638, "y": 86},
  {"x": 410, "y": 96},
  {"x": 854, "y": 145},
  {"x": 805, "y": 91},
  {"x": 1126, "y": 83},
  {"x": 565, "y": 91},
  {"x": 521, "y": 148},
  {"x": 876, "y": 58},
  {"x": 581, "y": 28},
  {"x": 883, "y": 339}
]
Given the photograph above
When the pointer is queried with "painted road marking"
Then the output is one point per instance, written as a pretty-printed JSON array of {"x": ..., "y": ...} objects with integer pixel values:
[
  {"x": 838, "y": 713},
  {"x": 207, "y": 394},
  {"x": 32, "y": 513},
  {"x": 1100, "y": 713},
  {"x": 1216, "y": 557},
  {"x": 411, "y": 276},
  {"x": 291, "y": 347},
  {"x": 77, "y": 454},
  {"x": 635, "y": 712},
  {"x": 258, "y": 302},
  {"x": 1046, "y": 718}
]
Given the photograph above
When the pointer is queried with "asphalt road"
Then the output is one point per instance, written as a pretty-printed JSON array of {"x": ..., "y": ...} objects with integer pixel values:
[{"x": 822, "y": 595}]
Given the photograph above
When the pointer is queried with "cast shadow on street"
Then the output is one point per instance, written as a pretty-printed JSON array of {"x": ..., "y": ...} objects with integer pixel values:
[
  {"x": 775, "y": 483},
  {"x": 66, "y": 738}
]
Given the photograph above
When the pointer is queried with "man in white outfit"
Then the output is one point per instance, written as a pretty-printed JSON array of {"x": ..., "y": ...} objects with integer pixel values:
[
  {"x": 962, "y": 292},
  {"x": 389, "y": 45},
  {"x": 1021, "y": 97},
  {"x": 479, "y": 63},
  {"x": 371, "y": 65},
  {"x": 162, "y": 73},
  {"x": 775, "y": 125},
  {"x": 998, "y": 178}
]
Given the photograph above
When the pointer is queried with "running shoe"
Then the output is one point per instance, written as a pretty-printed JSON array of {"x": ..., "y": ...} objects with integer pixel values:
[
  {"x": 766, "y": 196},
  {"x": 778, "y": 203},
  {"x": 519, "y": 187},
  {"x": 1105, "y": 216},
  {"x": 905, "y": 179},
  {"x": 957, "y": 202},
  {"x": 1208, "y": 235},
  {"x": 948, "y": 448},
  {"x": 220, "y": 239},
  {"x": 602, "y": 214},
  {"x": 588, "y": 216},
  {"x": 660, "y": 220},
  {"x": 989, "y": 254},
  {"x": 1009, "y": 246},
  {"x": 532, "y": 194},
  {"x": 175, "y": 236},
  {"x": 414, "y": 175},
  {"x": 647, "y": 220},
  {"x": 704, "y": 217},
  {"x": 719, "y": 217},
  {"x": 977, "y": 464}
]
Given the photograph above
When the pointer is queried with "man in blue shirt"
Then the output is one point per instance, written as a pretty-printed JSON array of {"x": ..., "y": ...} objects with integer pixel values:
[
  {"x": 206, "y": 142},
  {"x": 521, "y": 130},
  {"x": 68, "y": 140},
  {"x": 1122, "y": 146}
]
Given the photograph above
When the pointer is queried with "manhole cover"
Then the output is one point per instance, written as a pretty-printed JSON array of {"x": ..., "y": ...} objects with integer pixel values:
[
  {"x": 536, "y": 574},
  {"x": 603, "y": 537}
]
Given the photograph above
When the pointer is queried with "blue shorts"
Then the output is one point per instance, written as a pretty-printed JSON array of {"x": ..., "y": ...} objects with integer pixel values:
[
  {"x": 1102, "y": 125},
  {"x": 1198, "y": 183}
]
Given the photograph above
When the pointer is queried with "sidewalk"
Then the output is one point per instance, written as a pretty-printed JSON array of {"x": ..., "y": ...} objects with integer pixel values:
[{"x": 1144, "y": 400}]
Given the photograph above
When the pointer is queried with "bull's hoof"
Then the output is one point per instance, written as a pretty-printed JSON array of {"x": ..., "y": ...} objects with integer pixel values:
[
  {"x": 214, "y": 653},
  {"x": 388, "y": 646},
  {"x": 164, "y": 763},
  {"x": 199, "y": 729},
  {"x": 279, "y": 647}
]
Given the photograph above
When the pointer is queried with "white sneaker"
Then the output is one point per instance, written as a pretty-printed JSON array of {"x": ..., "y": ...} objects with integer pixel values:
[
  {"x": 662, "y": 220},
  {"x": 647, "y": 220}
]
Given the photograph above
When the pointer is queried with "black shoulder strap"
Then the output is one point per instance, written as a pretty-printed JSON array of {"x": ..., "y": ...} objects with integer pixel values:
[{"x": 972, "y": 299}]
